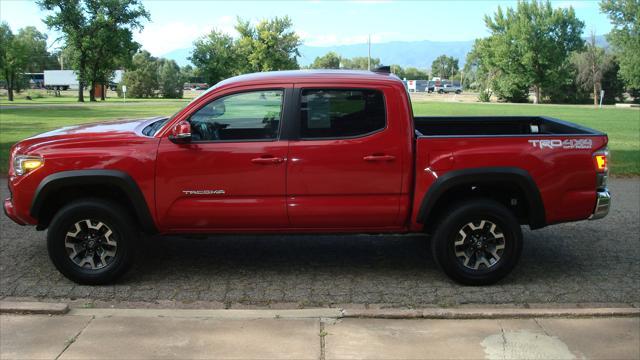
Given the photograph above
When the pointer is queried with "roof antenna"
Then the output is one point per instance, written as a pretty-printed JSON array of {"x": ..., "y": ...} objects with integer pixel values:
[{"x": 382, "y": 70}]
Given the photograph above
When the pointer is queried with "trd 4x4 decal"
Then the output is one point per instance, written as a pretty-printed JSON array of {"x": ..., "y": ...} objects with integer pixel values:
[{"x": 562, "y": 144}]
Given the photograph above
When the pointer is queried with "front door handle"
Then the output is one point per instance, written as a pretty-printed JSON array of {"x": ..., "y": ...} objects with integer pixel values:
[
  {"x": 379, "y": 158},
  {"x": 267, "y": 160}
]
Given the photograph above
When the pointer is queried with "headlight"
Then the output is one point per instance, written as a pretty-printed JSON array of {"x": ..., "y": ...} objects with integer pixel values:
[{"x": 23, "y": 164}]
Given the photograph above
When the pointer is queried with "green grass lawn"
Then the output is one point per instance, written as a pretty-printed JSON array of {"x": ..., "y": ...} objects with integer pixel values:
[{"x": 622, "y": 125}]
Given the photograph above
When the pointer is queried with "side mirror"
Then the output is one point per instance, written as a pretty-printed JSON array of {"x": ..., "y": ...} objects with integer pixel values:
[{"x": 181, "y": 133}]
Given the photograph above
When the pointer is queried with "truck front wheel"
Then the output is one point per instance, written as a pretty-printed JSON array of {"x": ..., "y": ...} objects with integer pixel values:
[
  {"x": 91, "y": 241},
  {"x": 477, "y": 242}
]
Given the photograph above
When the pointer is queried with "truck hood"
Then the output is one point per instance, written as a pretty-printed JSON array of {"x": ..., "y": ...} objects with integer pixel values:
[
  {"x": 119, "y": 129},
  {"x": 107, "y": 128}
]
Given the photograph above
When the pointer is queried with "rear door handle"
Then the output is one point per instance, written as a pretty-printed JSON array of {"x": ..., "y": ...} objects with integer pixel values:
[
  {"x": 267, "y": 160},
  {"x": 379, "y": 158}
]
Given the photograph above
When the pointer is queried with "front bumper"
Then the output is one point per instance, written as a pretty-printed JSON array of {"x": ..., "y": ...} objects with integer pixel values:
[
  {"x": 10, "y": 211},
  {"x": 603, "y": 203}
]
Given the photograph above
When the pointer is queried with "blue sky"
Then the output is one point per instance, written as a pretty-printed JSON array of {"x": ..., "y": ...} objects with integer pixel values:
[{"x": 176, "y": 24}]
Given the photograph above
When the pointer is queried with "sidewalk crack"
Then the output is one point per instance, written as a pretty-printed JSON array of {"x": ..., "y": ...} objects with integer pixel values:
[
  {"x": 504, "y": 341},
  {"x": 75, "y": 337},
  {"x": 541, "y": 327},
  {"x": 322, "y": 334}
]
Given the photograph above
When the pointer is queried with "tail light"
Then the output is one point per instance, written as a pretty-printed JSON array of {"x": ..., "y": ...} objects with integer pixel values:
[
  {"x": 601, "y": 161},
  {"x": 601, "y": 164}
]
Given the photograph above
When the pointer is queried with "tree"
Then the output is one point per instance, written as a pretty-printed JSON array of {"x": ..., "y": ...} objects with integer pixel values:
[
  {"x": 529, "y": 47},
  {"x": 170, "y": 79},
  {"x": 444, "y": 66},
  {"x": 270, "y": 45},
  {"x": 98, "y": 30},
  {"x": 35, "y": 42},
  {"x": 112, "y": 42},
  {"x": 330, "y": 60},
  {"x": 360, "y": 63},
  {"x": 189, "y": 74},
  {"x": 480, "y": 63},
  {"x": 591, "y": 65},
  {"x": 142, "y": 79},
  {"x": 215, "y": 57},
  {"x": 409, "y": 73},
  {"x": 14, "y": 58},
  {"x": 625, "y": 37}
]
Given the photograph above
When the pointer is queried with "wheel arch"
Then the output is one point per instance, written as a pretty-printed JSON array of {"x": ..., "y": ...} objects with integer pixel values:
[
  {"x": 50, "y": 188},
  {"x": 516, "y": 179}
]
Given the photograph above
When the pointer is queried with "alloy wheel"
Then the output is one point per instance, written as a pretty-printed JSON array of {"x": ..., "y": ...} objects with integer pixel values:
[
  {"x": 91, "y": 244},
  {"x": 479, "y": 245}
]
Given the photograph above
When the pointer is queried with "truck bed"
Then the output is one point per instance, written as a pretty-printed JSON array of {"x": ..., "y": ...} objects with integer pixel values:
[
  {"x": 496, "y": 125},
  {"x": 556, "y": 153}
]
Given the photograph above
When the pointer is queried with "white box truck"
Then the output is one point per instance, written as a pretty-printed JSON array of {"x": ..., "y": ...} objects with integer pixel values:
[{"x": 61, "y": 80}]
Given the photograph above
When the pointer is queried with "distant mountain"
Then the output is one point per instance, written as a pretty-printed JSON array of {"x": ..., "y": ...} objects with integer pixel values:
[
  {"x": 418, "y": 54},
  {"x": 180, "y": 56}
]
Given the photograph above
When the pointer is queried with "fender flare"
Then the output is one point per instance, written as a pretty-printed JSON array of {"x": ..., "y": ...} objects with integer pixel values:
[
  {"x": 54, "y": 182},
  {"x": 519, "y": 177}
]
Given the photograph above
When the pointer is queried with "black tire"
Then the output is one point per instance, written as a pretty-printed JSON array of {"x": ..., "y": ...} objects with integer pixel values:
[
  {"x": 458, "y": 92},
  {"x": 123, "y": 232},
  {"x": 456, "y": 222}
]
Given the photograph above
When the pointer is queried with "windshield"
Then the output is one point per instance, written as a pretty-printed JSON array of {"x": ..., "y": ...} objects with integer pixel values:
[{"x": 152, "y": 129}]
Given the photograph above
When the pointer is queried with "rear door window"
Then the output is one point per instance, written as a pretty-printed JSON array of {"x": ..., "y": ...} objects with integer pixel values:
[{"x": 341, "y": 113}]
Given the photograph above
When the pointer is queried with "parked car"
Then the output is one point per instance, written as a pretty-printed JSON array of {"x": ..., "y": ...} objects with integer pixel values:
[
  {"x": 307, "y": 152},
  {"x": 449, "y": 88},
  {"x": 431, "y": 87}
]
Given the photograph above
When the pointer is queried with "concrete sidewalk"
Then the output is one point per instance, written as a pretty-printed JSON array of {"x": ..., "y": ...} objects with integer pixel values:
[{"x": 309, "y": 334}]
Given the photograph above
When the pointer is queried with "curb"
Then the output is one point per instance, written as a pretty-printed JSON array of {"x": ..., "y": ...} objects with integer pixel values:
[
  {"x": 213, "y": 313},
  {"x": 21, "y": 307},
  {"x": 460, "y": 314},
  {"x": 24, "y": 307}
]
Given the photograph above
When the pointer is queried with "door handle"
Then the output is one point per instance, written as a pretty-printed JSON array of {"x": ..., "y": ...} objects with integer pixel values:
[
  {"x": 379, "y": 158},
  {"x": 267, "y": 160}
]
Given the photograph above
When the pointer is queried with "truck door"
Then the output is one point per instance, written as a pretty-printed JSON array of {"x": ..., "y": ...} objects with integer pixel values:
[
  {"x": 345, "y": 167},
  {"x": 232, "y": 173}
]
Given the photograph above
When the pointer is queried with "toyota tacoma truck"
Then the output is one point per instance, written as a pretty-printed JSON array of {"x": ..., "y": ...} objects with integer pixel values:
[{"x": 307, "y": 152}]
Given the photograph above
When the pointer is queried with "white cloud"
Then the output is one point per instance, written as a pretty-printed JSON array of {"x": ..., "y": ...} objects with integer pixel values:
[{"x": 161, "y": 38}]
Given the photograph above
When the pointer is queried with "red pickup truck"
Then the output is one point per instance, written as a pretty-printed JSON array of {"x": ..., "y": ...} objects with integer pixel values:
[{"x": 307, "y": 151}]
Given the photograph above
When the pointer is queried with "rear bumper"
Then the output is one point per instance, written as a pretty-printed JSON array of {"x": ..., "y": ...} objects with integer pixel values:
[{"x": 603, "y": 203}]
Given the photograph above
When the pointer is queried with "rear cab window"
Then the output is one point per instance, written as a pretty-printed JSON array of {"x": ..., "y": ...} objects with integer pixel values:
[{"x": 341, "y": 113}]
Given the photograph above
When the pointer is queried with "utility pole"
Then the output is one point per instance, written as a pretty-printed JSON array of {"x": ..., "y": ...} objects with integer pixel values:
[{"x": 369, "y": 57}]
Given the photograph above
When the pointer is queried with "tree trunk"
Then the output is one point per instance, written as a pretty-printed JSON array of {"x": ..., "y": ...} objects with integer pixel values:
[
  {"x": 80, "y": 91},
  {"x": 104, "y": 90},
  {"x": 81, "y": 67},
  {"x": 10, "y": 88},
  {"x": 92, "y": 91},
  {"x": 10, "y": 92},
  {"x": 595, "y": 95}
]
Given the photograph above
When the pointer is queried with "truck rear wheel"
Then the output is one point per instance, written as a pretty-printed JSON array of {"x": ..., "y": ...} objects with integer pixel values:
[
  {"x": 477, "y": 242},
  {"x": 91, "y": 241}
]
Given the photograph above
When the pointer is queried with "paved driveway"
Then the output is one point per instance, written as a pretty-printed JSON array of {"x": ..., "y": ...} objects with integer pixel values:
[{"x": 585, "y": 262}]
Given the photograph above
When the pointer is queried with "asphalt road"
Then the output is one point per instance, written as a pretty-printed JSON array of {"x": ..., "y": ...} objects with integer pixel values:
[{"x": 584, "y": 262}]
